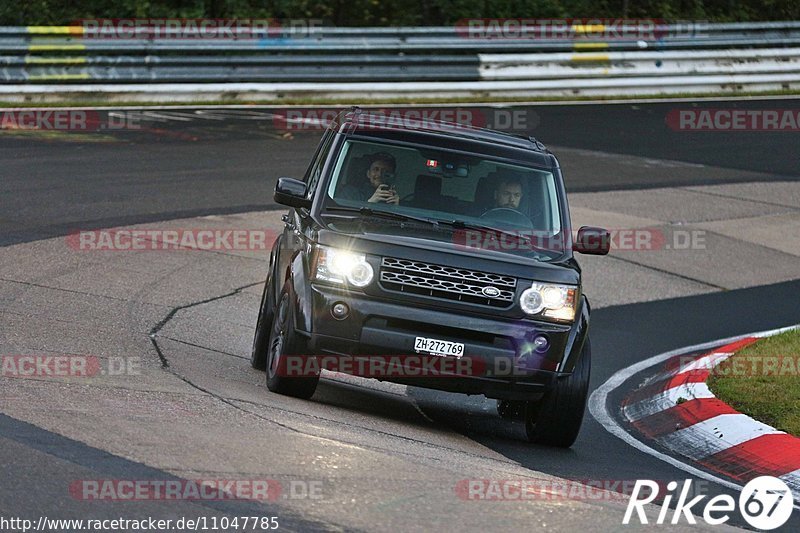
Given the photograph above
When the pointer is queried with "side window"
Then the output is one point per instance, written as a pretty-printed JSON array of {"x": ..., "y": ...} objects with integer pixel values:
[
  {"x": 315, "y": 158},
  {"x": 315, "y": 170}
]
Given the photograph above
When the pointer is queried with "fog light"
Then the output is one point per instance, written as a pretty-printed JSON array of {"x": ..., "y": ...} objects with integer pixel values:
[
  {"x": 541, "y": 343},
  {"x": 340, "y": 310}
]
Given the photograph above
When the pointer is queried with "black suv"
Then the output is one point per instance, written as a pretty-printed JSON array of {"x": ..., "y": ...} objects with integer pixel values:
[{"x": 436, "y": 255}]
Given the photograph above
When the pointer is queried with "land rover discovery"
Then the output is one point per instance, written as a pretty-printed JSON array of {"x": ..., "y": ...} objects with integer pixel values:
[{"x": 436, "y": 255}]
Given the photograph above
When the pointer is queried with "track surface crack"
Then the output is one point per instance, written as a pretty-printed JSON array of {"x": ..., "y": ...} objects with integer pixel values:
[
  {"x": 232, "y": 402},
  {"x": 153, "y": 334}
]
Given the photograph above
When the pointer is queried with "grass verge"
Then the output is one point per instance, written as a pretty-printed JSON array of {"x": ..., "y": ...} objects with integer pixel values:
[{"x": 763, "y": 381}]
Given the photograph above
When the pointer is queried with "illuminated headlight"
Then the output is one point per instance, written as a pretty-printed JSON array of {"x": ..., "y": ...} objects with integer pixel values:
[
  {"x": 549, "y": 301},
  {"x": 338, "y": 266}
]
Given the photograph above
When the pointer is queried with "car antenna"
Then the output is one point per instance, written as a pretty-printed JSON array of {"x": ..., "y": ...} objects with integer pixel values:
[{"x": 539, "y": 144}]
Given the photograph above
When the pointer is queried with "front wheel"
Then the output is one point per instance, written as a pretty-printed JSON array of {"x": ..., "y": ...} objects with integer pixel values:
[
  {"x": 285, "y": 342},
  {"x": 556, "y": 419}
]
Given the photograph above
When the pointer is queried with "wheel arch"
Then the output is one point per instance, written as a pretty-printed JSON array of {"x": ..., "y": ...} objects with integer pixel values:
[{"x": 578, "y": 336}]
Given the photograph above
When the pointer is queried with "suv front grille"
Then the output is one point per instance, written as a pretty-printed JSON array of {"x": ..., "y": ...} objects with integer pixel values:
[{"x": 447, "y": 283}]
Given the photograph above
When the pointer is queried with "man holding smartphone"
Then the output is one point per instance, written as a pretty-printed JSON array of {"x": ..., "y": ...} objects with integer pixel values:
[{"x": 375, "y": 190}]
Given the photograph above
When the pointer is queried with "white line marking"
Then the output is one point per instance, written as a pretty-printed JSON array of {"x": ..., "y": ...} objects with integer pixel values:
[
  {"x": 793, "y": 480},
  {"x": 171, "y": 115},
  {"x": 689, "y": 363},
  {"x": 706, "y": 362},
  {"x": 714, "y": 435},
  {"x": 598, "y": 406},
  {"x": 665, "y": 400}
]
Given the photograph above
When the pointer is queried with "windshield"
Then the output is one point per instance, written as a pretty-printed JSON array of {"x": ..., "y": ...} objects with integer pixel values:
[{"x": 466, "y": 192}]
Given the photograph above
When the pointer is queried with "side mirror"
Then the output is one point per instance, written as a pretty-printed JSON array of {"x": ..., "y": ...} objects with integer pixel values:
[
  {"x": 592, "y": 241},
  {"x": 292, "y": 193}
]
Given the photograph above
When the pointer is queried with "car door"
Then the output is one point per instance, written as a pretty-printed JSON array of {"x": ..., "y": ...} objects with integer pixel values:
[{"x": 293, "y": 238}]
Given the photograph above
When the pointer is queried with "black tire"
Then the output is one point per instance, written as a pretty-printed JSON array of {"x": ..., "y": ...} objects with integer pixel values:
[
  {"x": 283, "y": 341},
  {"x": 266, "y": 313},
  {"x": 556, "y": 419}
]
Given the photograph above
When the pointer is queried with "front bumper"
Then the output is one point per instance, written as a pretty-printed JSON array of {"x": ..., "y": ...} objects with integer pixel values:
[{"x": 503, "y": 362}]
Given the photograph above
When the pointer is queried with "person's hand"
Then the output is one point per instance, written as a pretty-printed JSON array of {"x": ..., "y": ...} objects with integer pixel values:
[{"x": 384, "y": 194}]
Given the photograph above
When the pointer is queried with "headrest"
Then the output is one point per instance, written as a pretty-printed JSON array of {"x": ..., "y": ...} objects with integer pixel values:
[
  {"x": 355, "y": 173},
  {"x": 484, "y": 191}
]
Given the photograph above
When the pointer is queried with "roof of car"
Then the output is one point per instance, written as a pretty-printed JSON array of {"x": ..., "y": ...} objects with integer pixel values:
[{"x": 358, "y": 120}]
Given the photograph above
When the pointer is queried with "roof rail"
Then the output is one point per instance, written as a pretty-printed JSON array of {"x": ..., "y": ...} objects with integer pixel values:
[{"x": 357, "y": 111}]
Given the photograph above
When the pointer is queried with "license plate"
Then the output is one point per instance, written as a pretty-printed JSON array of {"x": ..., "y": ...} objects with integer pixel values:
[{"x": 438, "y": 347}]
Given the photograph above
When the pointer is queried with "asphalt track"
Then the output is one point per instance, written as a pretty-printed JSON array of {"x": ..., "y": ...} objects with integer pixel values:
[
  {"x": 178, "y": 165},
  {"x": 188, "y": 168},
  {"x": 38, "y": 464}
]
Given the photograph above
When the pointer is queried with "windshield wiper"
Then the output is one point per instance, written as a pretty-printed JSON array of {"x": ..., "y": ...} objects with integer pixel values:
[
  {"x": 460, "y": 224},
  {"x": 369, "y": 212},
  {"x": 455, "y": 224}
]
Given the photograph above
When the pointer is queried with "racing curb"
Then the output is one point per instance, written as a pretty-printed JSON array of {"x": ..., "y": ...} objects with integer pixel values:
[{"x": 676, "y": 409}]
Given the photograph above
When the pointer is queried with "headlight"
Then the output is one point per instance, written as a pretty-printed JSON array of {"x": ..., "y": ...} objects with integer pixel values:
[
  {"x": 338, "y": 266},
  {"x": 550, "y": 301}
]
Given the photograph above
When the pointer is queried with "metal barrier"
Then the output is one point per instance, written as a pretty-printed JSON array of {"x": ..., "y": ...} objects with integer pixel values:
[{"x": 39, "y": 63}]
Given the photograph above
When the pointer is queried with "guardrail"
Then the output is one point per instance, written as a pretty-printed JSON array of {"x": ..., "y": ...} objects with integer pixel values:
[{"x": 41, "y": 63}]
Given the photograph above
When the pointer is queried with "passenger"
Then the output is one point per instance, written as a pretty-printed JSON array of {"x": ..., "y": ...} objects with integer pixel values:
[{"x": 375, "y": 189}]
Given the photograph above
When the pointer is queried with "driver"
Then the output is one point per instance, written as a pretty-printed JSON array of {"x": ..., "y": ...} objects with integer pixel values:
[
  {"x": 508, "y": 193},
  {"x": 375, "y": 189}
]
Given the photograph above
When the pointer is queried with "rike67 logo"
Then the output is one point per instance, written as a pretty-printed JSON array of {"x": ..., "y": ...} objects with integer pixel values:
[{"x": 765, "y": 503}]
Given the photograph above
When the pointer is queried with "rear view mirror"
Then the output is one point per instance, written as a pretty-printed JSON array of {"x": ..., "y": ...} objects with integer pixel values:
[
  {"x": 592, "y": 241},
  {"x": 292, "y": 193}
]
